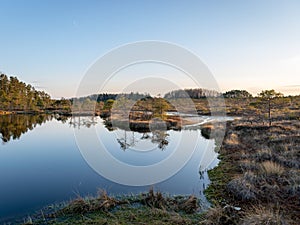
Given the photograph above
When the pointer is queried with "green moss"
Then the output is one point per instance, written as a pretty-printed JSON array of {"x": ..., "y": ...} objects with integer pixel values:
[
  {"x": 214, "y": 192},
  {"x": 128, "y": 215}
]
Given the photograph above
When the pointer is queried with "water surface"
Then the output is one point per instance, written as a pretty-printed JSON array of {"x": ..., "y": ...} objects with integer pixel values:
[{"x": 40, "y": 163}]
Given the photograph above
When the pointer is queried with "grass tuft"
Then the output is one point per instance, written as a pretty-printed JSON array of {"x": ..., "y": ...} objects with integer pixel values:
[
  {"x": 270, "y": 168},
  {"x": 263, "y": 216},
  {"x": 243, "y": 188},
  {"x": 232, "y": 139}
]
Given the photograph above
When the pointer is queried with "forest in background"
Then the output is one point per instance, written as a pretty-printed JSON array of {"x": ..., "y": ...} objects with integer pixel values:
[{"x": 17, "y": 96}]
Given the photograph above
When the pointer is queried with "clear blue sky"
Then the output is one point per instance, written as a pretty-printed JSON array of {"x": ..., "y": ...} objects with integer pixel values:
[{"x": 251, "y": 45}]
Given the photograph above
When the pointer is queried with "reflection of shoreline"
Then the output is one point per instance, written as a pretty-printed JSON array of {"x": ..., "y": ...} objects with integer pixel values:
[
  {"x": 208, "y": 125},
  {"x": 173, "y": 120},
  {"x": 13, "y": 126}
]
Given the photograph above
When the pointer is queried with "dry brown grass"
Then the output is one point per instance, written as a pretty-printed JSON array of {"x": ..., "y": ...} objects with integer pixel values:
[
  {"x": 271, "y": 168},
  {"x": 214, "y": 216},
  {"x": 232, "y": 139},
  {"x": 264, "y": 216},
  {"x": 262, "y": 164},
  {"x": 155, "y": 200},
  {"x": 227, "y": 215}
]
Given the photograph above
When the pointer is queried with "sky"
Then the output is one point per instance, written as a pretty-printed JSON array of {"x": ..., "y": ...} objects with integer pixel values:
[{"x": 252, "y": 45}]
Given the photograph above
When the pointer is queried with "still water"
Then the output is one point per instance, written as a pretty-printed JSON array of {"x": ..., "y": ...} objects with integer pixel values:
[{"x": 41, "y": 164}]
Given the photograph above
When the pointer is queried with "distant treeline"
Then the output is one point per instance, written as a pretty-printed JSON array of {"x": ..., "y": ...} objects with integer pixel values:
[
  {"x": 237, "y": 94},
  {"x": 105, "y": 96},
  {"x": 198, "y": 93},
  {"x": 16, "y": 95}
]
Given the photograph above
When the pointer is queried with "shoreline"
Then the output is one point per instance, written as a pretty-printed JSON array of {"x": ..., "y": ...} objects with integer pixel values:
[
  {"x": 254, "y": 178},
  {"x": 173, "y": 208},
  {"x": 248, "y": 146}
]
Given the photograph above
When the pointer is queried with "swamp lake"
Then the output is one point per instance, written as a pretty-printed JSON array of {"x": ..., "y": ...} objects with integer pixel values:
[{"x": 40, "y": 163}]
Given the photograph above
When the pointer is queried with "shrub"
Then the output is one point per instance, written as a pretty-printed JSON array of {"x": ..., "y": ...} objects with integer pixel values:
[
  {"x": 263, "y": 154},
  {"x": 247, "y": 165},
  {"x": 243, "y": 188}
]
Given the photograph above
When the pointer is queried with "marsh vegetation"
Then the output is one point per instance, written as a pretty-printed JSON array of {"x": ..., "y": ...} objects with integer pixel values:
[{"x": 257, "y": 180}]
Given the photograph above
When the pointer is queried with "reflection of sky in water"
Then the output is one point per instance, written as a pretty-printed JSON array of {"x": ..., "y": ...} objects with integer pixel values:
[{"x": 45, "y": 166}]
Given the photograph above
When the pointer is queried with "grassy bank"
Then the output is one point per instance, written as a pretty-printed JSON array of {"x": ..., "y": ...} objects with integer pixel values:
[
  {"x": 147, "y": 208},
  {"x": 258, "y": 179}
]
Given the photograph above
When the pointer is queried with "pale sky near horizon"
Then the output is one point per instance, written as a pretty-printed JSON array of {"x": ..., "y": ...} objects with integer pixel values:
[{"x": 252, "y": 45}]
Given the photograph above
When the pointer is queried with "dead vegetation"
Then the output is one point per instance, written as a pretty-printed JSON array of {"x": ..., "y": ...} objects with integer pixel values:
[
  {"x": 153, "y": 200},
  {"x": 262, "y": 173},
  {"x": 264, "y": 216},
  {"x": 270, "y": 168}
]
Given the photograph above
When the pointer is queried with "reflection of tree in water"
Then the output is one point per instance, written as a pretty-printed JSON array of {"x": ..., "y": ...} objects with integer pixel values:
[
  {"x": 82, "y": 121},
  {"x": 160, "y": 137},
  {"x": 127, "y": 141},
  {"x": 157, "y": 137},
  {"x": 145, "y": 136},
  {"x": 124, "y": 143},
  {"x": 13, "y": 126}
]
